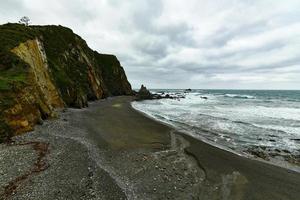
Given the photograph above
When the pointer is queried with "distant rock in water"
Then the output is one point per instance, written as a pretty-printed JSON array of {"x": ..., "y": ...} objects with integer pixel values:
[
  {"x": 144, "y": 94},
  {"x": 48, "y": 67},
  {"x": 188, "y": 90}
]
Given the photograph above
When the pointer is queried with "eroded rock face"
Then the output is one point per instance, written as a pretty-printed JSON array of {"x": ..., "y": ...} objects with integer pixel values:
[
  {"x": 33, "y": 53},
  {"x": 37, "y": 100},
  {"x": 47, "y": 67}
]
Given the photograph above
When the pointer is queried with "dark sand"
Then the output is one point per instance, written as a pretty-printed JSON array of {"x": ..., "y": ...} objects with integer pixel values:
[
  {"x": 120, "y": 153},
  {"x": 235, "y": 177},
  {"x": 248, "y": 179}
]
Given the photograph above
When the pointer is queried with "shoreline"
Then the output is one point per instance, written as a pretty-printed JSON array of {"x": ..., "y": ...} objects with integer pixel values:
[
  {"x": 284, "y": 165},
  {"x": 139, "y": 158},
  {"x": 264, "y": 166}
]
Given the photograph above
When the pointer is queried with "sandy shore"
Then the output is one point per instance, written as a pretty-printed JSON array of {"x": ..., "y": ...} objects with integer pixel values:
[{"x": 111, "y": 151}]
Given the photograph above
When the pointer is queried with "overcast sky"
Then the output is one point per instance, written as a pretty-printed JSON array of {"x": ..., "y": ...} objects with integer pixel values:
[{"x": 239, "y": 44}]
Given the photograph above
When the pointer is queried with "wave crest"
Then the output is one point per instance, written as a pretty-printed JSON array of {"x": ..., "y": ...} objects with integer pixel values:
[{"x": 239, "y": 96}]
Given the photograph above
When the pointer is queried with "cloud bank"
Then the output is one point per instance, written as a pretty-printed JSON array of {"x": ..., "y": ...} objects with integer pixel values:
[{"x": 238, "y": 44}]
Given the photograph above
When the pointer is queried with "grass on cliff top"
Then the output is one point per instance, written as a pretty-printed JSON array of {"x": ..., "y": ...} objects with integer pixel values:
[
  {"x": 66, "y": 54},
  {"x": 12, "y": 69},
  {"x": 56, "y": 38},
  {"x": 11, "y": 35},
  {"x": 107, "y": 61},
  {"x": 61, "y": 47}
]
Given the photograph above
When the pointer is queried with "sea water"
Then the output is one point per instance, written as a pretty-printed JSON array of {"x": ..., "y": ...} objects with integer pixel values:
[{"x": 243, "y": 121}]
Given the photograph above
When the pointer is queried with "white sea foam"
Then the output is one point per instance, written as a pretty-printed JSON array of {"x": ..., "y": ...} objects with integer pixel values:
[
  {"x": 232, "y": 120},
  {"x": 239, "y": 96}
]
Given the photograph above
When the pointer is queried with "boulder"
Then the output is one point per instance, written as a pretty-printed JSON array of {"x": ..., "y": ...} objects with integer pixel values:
[{"x": 144, "y": 94}]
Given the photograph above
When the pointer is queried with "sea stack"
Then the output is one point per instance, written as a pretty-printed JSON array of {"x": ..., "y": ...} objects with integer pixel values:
[{"x": 144, "y": 93}]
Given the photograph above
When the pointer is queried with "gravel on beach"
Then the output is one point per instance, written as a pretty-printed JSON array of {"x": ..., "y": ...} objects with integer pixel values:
[
  {"x": 110, "y": 151},
  {"x": 80, "y": 168}
]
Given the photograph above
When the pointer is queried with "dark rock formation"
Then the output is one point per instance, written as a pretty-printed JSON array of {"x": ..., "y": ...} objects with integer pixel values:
[
  {"x": 113, "y": 75},
  {"x": 267, "y": 153},
  {"x": 48, "y": 67},
  {"x": 144, "y": 94}
]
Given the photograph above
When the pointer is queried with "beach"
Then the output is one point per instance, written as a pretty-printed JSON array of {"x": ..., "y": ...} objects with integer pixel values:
[{"x": 111, "y": 151}]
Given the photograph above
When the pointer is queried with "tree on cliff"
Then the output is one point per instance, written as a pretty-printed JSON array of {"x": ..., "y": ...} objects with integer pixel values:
[{"x": 24, "y": 20}]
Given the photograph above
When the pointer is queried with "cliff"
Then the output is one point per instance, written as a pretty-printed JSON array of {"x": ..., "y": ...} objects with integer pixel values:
[{"x": 48, "y": 67}]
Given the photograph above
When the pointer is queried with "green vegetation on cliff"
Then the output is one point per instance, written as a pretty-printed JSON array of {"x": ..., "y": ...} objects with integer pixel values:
[
  {"x": 113, "y": 75},
  {"x": 33, "y": 58}
]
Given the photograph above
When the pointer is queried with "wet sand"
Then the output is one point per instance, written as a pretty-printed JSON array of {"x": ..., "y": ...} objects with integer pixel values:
[
  {"x": 243, "y": 178},
  {"x": 111, "y": 151}
]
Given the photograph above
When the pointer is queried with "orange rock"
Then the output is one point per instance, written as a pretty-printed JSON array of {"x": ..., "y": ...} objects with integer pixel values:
[{"x": 24, "y": 123}]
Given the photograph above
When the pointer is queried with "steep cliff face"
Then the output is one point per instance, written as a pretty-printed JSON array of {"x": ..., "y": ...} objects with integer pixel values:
[
  {"x": 113, "y": 75},
  {"x": 48, "y": 67},
  {"x": 37, "y": 100},
  {"x": 33, "y": 53}
]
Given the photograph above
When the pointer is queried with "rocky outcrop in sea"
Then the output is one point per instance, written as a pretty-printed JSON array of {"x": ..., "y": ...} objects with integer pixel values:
[{"x": 145, "y": 94}]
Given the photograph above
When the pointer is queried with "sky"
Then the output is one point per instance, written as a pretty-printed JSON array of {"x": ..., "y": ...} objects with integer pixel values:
[{"x": 207, "y": 44}]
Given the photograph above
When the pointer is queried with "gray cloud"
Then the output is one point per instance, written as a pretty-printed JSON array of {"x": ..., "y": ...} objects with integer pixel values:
[
  {"x": 183, "y": 44},
  {"x": 225, "y": 34}
]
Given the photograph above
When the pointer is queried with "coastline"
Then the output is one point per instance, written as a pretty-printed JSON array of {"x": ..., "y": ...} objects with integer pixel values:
[
  {"x": 276, "y": 163},
  {"x": 285, "y": 165},
  {"x": 216, "y": 160},
  {"x": 142, "y": 159}
]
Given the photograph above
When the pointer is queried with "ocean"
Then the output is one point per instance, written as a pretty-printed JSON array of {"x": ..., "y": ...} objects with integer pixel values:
[{"x": 257, "y": 123}]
